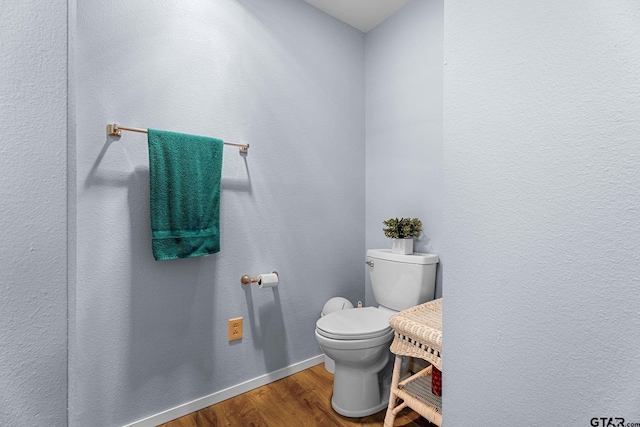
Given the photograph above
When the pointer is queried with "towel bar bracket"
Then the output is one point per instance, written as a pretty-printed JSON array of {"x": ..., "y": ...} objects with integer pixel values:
[{"x": 112, "y": 129}]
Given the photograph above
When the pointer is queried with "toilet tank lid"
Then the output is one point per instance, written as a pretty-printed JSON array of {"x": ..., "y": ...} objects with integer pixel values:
[{"x": 414, "y": 258}]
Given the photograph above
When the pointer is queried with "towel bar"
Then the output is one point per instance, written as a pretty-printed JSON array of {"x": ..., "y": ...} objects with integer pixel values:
[{"x": 115, "y": 130}]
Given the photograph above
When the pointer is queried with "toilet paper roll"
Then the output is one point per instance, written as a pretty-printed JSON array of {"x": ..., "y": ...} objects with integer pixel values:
[{"x": 268, "y": 280}]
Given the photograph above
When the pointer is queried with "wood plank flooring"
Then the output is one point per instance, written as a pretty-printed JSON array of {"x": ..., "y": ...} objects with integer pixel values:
[{"x": 300, "y": 400}]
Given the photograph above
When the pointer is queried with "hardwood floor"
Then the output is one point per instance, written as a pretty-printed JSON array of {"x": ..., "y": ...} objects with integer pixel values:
[{"x": 301, "y": 400}]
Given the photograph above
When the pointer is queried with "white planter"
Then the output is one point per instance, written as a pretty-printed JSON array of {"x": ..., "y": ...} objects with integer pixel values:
[{"x": 402, "y": 246}]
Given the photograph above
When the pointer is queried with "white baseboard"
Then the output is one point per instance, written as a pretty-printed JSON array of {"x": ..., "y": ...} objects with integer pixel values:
[{"x": 227, "y": 393}]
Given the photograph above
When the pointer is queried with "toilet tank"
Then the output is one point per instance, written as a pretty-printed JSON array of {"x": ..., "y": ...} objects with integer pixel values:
[{"x": 402, "y": 281}]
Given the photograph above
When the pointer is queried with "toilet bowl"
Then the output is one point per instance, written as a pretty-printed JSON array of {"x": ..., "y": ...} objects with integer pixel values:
[
  {"x": 358, "y": 340},
  {"x": 334, "y": 304}
]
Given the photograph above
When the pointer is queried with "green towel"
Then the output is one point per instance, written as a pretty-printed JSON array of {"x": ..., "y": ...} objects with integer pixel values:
[{"x": 184, "y": 173}]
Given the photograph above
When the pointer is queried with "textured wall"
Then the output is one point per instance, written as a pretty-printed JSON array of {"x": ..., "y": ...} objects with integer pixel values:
[
  {"x": 542, "y": 124},
  {"x": 283, "y": 77},
  {"x": 404, "y": 126},
  {"x": 33, "y": 308}
]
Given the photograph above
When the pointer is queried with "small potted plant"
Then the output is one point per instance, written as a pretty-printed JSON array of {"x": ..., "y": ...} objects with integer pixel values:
[{"x": 402, "y": 231}]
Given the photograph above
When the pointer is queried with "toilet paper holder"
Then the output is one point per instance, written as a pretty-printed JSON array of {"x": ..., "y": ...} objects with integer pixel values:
[{"x": 246, "y": 279}]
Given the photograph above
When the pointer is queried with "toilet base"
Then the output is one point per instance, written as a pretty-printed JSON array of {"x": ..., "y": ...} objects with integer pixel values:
[
  {"x": 357, "y": 394},
  {"x": 363, "y": 412}
]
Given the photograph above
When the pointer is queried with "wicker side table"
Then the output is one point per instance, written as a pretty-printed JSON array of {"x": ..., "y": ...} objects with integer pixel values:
[{"x": 418, "y": 333}]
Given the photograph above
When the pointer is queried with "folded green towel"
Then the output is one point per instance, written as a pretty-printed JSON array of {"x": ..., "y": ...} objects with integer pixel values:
[{"x": 184, "y": 173}]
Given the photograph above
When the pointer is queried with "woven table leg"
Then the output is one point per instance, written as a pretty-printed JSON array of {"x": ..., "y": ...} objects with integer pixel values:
[{"x": 390, "y": 417}]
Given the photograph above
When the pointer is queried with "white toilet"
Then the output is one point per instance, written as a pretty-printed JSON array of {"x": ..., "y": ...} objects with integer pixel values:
[{"x": 358, "y": 339}]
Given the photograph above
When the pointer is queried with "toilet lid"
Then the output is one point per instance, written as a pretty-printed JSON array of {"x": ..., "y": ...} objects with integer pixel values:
[{"x": 354, "y": 323}]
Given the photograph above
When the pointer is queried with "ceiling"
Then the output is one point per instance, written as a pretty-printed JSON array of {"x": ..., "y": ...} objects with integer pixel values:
[{"x": 361, "y": 14}]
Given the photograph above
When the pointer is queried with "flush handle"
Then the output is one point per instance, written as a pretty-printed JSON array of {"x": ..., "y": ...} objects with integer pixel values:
[{"x": 369, "y": 263}]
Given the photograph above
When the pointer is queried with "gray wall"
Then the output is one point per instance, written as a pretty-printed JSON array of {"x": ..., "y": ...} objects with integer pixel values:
[
  {"x": 283, "y": 77},
  {"x": 404, "y": 127},
  {"x": 542, "y": 124},
  {"x": 33, "y": 162}
]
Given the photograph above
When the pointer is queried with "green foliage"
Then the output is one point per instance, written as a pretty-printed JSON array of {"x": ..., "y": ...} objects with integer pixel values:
[{"x": 402, "y": 228}]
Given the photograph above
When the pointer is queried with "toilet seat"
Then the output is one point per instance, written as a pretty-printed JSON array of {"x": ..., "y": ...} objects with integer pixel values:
[{"x": 355, "y": 324}]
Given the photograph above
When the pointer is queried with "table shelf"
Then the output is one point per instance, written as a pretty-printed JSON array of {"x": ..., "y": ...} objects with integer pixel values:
[{"x": 417, "y": 333}]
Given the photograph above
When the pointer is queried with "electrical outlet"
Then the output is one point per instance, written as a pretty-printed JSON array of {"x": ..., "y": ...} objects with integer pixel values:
[{"x": 235, "y": 329}]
